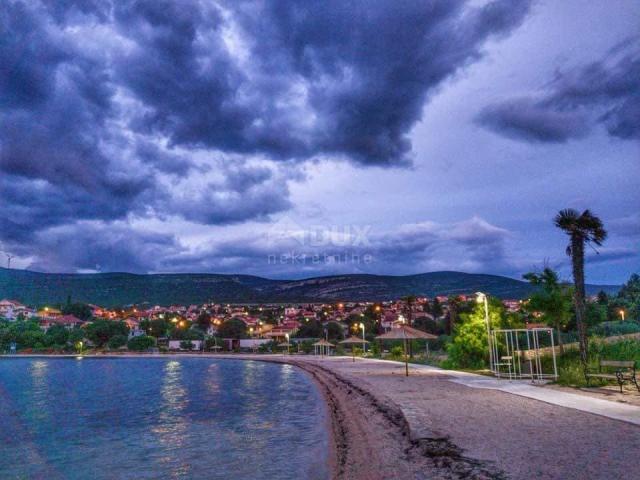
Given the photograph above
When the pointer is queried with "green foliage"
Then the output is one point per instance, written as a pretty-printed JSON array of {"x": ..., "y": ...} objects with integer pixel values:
[
  {"x": 203, "y": 321},
  {"x": 570, "y": 369},
  {"x": 553, "y": 299},
  {"x": 101, "y": 331},
  {"x": 76, "y": 335},
  {"x": 78, "y": 310},
  {"x": 375, "y": 349},
  {"x": 334, "y": 331},
  {"x": 233, "y": 328},
  {"x": 117, "y": 341},
  {"x": 57, "y": 335},
  {"x": 306, "y": 346},
  {"x": 187, "y": 345},
  {"x": 158, "y": 327},
  {"x": 396, "y": 352},
  {"x": 469, "y": 348},
  {"x": 608, "y": 329},
  {"x": 310, "y": 329},
  {"x": 141, "y": 343}
]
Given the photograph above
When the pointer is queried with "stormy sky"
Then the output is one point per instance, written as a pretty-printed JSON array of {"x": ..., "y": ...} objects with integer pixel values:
[{"x": 302, "y": 138}]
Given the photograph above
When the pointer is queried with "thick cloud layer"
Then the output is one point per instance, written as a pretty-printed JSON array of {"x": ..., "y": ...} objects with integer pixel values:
[
  {"x": 204, "y": 111},
  {"x": 606, "y": 92}
]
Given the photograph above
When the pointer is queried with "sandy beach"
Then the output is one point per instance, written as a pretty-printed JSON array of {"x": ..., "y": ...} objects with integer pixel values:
[{"x": 386, "y": 425}]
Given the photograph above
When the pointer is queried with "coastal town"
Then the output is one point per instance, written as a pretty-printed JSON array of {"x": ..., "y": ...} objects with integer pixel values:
[{"x": 215, "y": 326}]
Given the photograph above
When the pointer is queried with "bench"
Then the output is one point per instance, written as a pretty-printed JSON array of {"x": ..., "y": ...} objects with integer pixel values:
[{"x": 620, "y": 371}]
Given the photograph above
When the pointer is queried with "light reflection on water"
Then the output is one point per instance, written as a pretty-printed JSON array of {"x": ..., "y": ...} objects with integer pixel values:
[{"x": 173, "y": 417}]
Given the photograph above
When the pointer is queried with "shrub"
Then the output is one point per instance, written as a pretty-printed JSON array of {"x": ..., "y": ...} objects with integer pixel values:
[
  {"x": 116, "y": 342},
  {"x": 141, "y": 343},
  {"x": 396, "y": 352}
]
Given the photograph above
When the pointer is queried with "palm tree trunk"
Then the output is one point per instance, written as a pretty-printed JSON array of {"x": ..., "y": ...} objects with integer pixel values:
[
  {"x": 577, "y": 257},
  {"x": 560, "y": 344}
]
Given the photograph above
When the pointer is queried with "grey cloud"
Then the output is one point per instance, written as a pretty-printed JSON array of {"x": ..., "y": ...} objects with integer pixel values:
[
  {"x": 605, "y": 91},
  {"x": 527, "y": 119}
]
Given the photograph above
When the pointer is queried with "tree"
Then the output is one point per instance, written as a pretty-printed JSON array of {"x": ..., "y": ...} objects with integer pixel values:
[
  {"x": 117, "y": 341},
  {"x": 141, "y": 343},
  {"x": 187, "y": 345},
  {"x": 101, "y": 331},
  {"x": 233, "y": 328},
  {"x": 582, "y": 228},
  {"x": 158, "y": 327},
  {"x": 310, "y": 329},
  {"x": 78, "y": 310},
  {"x": 203, "y": 321},
  {"x": 57, "y": 335},
  {"x": 334, "y": 331},
  {"x": 409, "y": 300},
  {"x": 470, "y": 348},
  {"x": 453, "y": 305},
  {"x": 552, "y": 300}
]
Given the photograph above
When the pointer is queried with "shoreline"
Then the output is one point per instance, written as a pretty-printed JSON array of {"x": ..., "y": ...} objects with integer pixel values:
[{"x": 369, "y": 435}]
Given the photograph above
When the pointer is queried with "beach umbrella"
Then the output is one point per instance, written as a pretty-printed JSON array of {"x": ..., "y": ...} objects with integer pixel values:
[
  {"x": 323, "y": 345},
  {"x": 353, "y": 340},
  {"x": 405, "y": 333}
]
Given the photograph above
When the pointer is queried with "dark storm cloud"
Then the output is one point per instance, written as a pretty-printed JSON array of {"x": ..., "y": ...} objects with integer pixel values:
[
  {"x": 607, "y": 91},
  {"x": 104, "y": 106},
  {"x": 100, "y": 247},
  {"x": 324, "y": 77}
]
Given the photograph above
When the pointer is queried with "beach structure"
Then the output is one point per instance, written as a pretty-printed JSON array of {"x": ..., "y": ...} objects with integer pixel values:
[
  {"x": 406, "y": 333},
  {"x": 353, "y": 341},
  {"x": 322, "y": 347}
]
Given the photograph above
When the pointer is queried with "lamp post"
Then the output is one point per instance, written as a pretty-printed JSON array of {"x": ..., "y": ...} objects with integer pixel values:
[
  {"x": 621, "y": 312},
  {"x": 364, "y": 345},
  {"x": 482, "y": 298},
  {"x": 286, "y": 335}
]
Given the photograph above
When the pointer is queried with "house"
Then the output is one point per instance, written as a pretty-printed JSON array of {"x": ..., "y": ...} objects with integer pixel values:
[
  {"x": 68, "y": 321},
  {"x": 11, "y": 310}
]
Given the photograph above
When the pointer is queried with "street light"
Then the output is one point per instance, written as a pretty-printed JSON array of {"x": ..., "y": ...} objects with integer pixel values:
[
  {"x": 286, "y": 335},
  {"x": 482, "y": 298},
  {"x": 364, "y": 345},
  {"x": 621, "y": 312}
]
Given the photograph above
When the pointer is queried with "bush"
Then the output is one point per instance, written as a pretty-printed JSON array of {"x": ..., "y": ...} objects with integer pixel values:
[
  {"x": 187, "y": 345},
  {"x": 141, "y": 343},
  {"x": 101, "y": 331},
  {"x": 116, "y": 342},
  {"x": 396, "y": 352},
  {"x": 608, "y": 329}
]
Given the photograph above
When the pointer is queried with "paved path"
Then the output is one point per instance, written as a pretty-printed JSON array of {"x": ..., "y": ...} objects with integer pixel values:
[
  {"x": 501, "y": 425},
  {"x": 577, "y": 401}
]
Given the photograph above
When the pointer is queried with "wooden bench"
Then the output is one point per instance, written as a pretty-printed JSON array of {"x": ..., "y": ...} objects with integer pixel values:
[{"x": 620, "y": 371}]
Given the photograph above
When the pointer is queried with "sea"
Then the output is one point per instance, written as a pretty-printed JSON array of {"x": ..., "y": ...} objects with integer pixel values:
[{"x": 149, "y": 418}]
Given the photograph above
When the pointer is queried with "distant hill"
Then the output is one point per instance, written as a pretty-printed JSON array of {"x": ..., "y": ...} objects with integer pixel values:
[{"x": 110, "y": 289}]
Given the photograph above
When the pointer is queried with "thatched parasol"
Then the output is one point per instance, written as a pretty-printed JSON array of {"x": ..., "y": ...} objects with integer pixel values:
[
  {"x": 352, "y": 340},
  {"x": 404, "y": 333},
  {"x": 323, "y": 345}
]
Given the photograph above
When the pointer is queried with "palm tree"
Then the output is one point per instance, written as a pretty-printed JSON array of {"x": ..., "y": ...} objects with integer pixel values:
[
  {"x": 582, "y": 228},
  {"x": 553, "y": 300}
]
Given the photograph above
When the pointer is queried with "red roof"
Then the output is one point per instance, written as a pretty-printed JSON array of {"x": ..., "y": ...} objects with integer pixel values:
[{"x": 64, "y": 320}]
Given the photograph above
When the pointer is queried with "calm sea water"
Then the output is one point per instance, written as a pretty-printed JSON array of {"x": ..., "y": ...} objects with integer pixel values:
[{"x": 159, "y": 418}]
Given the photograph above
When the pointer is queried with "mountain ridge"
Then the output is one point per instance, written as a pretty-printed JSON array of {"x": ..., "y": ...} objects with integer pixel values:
[{"x": 122, "y": 288}]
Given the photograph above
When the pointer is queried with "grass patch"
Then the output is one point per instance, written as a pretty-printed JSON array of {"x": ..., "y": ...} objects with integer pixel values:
[{"x": 570, "y": 372}]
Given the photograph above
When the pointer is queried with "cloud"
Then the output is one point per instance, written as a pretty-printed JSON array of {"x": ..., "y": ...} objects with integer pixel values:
[
  {"x": 99, "y": 247},
  {"x": 290, "y": 250},
  {"x": 606, "y": 91},
  {"x": 526, "y": 119},
  {"x": 205, "y": 111}
]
